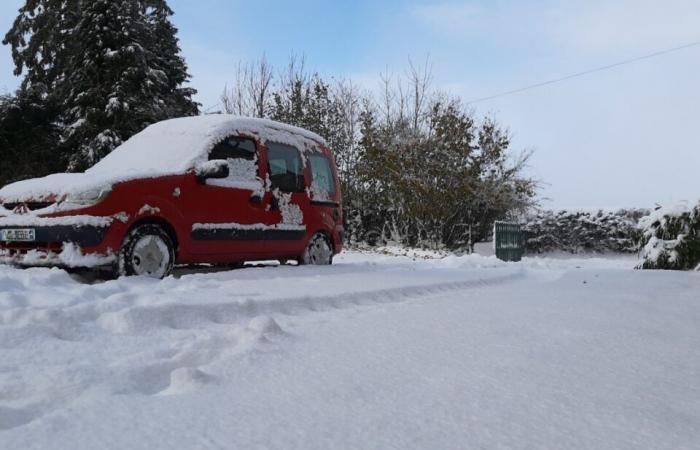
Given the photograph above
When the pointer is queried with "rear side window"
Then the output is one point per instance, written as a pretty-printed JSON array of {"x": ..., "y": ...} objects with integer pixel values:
[
  {"x": 286, "y": 167},
  {"x": 323, "y": 184}
]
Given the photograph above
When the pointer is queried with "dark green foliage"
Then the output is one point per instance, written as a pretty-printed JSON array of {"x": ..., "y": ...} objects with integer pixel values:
[
  {"x": 27, "y": 138},
  {"x": 41, "y": 41},
  {"x": 440, "y": 186},
  {"x": 307, "y": 102},
  {"x": 671, "y": 239},
  {"x": 583, "y": 231},
  {"x": 106, "y": 70},
  {"x": 121, "y": 82}
]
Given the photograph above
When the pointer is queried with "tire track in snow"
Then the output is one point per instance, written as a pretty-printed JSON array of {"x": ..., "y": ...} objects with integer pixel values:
[{"x": 139, "y": 319}]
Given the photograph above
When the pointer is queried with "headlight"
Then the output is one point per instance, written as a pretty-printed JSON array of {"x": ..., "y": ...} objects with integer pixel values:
[{"x": 88, "y": 198}]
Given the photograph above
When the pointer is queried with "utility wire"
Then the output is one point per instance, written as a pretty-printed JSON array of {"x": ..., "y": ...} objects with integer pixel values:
[
  {"x": 584, "y": 73},
  {"x": 212, "y": 108}
]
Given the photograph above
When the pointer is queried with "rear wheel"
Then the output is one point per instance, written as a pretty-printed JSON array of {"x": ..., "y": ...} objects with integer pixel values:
[
  {"x": 319, "y": 251},
  {"x": 147, "y": 251}
]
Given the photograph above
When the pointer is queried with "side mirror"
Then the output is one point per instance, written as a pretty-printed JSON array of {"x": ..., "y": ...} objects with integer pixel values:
[{"x": 215, "y": 169}]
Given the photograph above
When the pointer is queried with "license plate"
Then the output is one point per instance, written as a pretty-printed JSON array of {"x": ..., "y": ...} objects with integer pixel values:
[{"x": 26, "y": 235}]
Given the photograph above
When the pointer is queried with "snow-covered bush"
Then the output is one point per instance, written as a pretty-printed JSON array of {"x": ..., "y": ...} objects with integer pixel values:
[
  {"x": 671, "y": 238},
  {"x": 574, "y": 231}
]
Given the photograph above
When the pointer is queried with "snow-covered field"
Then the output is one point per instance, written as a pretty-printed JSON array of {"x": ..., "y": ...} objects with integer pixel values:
[{"x": 378, "y": 351}]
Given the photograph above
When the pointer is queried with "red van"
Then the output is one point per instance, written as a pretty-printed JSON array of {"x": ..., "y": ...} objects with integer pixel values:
[{"x": 212, "y": 189}]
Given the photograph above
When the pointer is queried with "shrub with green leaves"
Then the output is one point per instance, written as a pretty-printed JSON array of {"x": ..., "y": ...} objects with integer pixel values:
[
  {"x": 582, "y": 231},
  {"x": 671, "y": 238}
]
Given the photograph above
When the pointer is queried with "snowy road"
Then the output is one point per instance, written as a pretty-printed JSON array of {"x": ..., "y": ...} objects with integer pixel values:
[{"x": 375, "y": 352}]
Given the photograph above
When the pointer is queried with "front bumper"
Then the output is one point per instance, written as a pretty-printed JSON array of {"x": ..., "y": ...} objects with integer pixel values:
[
  {"x": 85, "y": 236},
  {"x": 71, "y": 256},
  {"x": 58, "y": 241}
]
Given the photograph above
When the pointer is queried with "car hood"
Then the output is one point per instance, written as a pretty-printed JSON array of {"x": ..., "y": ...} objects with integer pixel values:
[
  {"x": 55, "y": 187},
  {"x": 51, "y": 188}
]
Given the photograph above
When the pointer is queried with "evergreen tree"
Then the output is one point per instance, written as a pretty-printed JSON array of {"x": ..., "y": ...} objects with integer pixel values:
[
  {"x": 107, "y": 69},
  {"x": 126, "y": 77},
  {"x": 671, "y": 238},
  {"x": 28, "y": 137},
  {"x": 41, "y": 39},
  {"x": 177, "y": 98},
  {"x": 583, "y": 231}
]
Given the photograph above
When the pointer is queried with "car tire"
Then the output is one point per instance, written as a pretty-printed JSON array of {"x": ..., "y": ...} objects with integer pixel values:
[
  {"x": 318, "y": 252},
  {"x": 146, "y": 251}
]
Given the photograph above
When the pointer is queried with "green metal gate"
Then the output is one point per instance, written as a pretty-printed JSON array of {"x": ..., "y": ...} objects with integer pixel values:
[{"x": 508, "y": 241}]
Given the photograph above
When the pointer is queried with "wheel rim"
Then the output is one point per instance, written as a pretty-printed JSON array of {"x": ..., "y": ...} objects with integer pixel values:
[
  {"x": 150, "y": 257},
  {"x": 319, "y": 252}
]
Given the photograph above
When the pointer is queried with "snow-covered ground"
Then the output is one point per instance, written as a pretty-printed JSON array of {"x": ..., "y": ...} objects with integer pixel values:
[{"x": 379, "y": 351}]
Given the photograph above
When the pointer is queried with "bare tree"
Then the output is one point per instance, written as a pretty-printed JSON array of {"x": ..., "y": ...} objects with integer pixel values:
[
  {"x": 388, "y": 97},
  {"x": 251, "y": 92},
  {"x": 419, "y": 81},
  {"x": 259, "y": 78},
  {"x": 235, "y": 100},
  {"x": 347, "y": 97}
]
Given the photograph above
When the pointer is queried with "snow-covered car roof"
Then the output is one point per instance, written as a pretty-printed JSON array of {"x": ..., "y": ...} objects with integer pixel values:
[
  {"x": 171, "y": 147},
  {"x": 174, "y": 146}
]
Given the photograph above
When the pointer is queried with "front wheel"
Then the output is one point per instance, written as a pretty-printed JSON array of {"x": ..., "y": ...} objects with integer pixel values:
[
  {"x": 147, "y": 251},
  {"x": 319, "y": 251}
]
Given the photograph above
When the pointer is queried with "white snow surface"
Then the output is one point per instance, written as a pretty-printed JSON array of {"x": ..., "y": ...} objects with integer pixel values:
[
  {"x": 381, "y": 350},
  {"x": 171, "y": 147}
]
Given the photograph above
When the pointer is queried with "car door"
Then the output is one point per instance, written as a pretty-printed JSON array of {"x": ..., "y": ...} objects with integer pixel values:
[
  {"x": 289, "y": 200},
  {"x": 228, "y": 215}
]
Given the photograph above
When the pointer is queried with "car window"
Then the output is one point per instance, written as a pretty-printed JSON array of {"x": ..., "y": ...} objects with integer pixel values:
[
  {"x": 234, "y": 148},
  {"x": 323, "y": 184},
  {"x": 286, "y": 167},
  {"x": 242, "y": 161}
]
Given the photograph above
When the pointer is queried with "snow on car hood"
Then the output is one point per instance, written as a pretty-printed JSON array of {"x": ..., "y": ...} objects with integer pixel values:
[
  {"x": 171, "y": 147},
  {"x": 51, "y": 188}
]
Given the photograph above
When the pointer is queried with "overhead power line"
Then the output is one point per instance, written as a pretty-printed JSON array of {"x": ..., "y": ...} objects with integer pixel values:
[
  {"x": 212, "y": 108},
  {"x": 585, "y": 72}
]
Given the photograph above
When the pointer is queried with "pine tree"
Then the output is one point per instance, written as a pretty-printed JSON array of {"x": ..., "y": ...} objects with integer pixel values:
[
  {"x": 177, "y": 97},
  {"x": 127, "y": 76},
  {"x": 28, "y": 137},
  {"x": 41, "y": 40},
  {"x": 109, "y": 68},
  {"x": 671, "y": 238}
]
